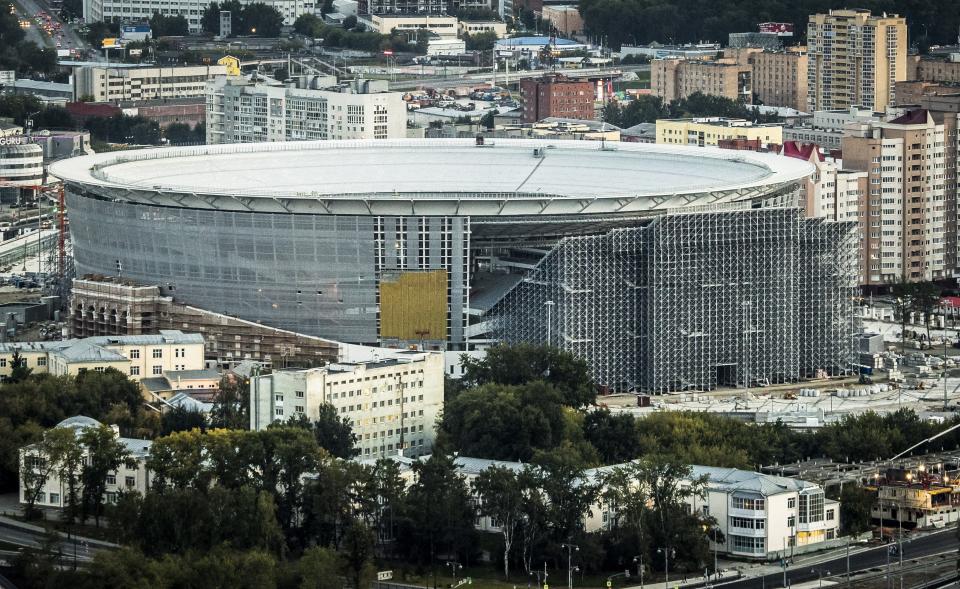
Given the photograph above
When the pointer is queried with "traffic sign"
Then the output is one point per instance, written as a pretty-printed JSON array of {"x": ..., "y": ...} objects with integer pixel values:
[{"x": 384, "y": 575}]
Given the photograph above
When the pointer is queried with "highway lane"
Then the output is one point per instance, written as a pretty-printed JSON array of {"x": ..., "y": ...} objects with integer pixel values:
[
  {"x": 865, "y": 560},
  {"x": 68, "y": 547}
]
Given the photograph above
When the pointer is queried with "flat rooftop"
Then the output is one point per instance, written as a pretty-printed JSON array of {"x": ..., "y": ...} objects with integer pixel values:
[{"x": 416, "y": 170}]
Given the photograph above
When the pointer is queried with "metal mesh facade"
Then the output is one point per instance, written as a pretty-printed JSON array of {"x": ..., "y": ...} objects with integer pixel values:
[
  {"x": 313, "y": 274},
  {"x": 695, "y": 300}
]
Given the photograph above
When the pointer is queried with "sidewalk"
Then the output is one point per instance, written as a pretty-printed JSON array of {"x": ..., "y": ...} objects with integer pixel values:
[{"x": 698, "y": 581}]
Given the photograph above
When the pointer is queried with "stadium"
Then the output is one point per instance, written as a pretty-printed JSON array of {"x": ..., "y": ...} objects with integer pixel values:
[{"x": 664, "y": 267}]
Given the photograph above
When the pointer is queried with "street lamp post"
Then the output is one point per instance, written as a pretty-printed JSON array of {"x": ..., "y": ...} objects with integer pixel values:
[
  {"x": 570, "y": 549},
  {"x": 549, "y": 305},
  {"x": 639, "y": 560},
  {"x": 454, "y": 567},
  {"x": 666, "y": 564}
]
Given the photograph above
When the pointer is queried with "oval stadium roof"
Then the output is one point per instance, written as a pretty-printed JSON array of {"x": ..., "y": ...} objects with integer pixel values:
[{"x": 432, "y": 176}]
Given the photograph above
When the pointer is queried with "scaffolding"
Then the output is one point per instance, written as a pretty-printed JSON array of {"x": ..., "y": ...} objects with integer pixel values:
[{"x": 696, "y": 300}]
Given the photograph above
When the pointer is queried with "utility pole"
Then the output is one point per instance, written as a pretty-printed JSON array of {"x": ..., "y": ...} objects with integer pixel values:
[{"x": 848, "y": 561}]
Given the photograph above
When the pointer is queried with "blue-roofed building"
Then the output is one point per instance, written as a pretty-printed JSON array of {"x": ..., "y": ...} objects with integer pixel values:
[
  {"x": 53, "y": 494},
  {"x": 537, "y": 43}
]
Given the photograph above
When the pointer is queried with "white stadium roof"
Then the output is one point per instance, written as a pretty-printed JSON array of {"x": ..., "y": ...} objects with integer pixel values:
[{"x": 433, "y": 176}]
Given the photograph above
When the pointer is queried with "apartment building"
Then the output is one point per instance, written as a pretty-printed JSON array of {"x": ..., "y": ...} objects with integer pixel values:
[
  {"x": 780, "y": 78},
  {"x": 54, "y": 492},
  {"x": 855, "y": 58},
  {"x": 138, "y": 11},
  {"x": 833, "y": 192},
  {"x": 392, "y": 403},
  {"x": 673, "y": 79},
  {"x": 827, "y": 128},
  {"x": 556, "y": 96},
  {"x": 138, "y": 356},
  {"x": 711, "y": 131},
  {"x": 123, "y": 83},
  {"x": 910, "y": 211},
  {"x": 241, "y": 111}
]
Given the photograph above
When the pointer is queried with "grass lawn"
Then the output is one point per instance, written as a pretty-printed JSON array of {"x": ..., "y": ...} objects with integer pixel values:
[{"x": 487, "y": 578}]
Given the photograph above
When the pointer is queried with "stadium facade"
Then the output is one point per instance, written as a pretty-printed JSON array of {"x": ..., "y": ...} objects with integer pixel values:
[{"x": 665, "y": 267}]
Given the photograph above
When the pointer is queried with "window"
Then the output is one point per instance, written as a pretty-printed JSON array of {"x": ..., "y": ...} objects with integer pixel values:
[
  {"x": 792, "y": 521},
  {"x": 130, "y": 482},
  {"x": 830, "y": 515},
  {"x": 111, "y": 479},
  {"x": 299, "y": 394},
  {"x": 134, "y": 354},
  {"x": 747, "y": 523},
  {"x": 792, "y": 503},
  {"x": 54, "y": 498},
  {"x": 158, "y": 353},
  {"x": 748, "y": 544},
  {"x": 748, "y": 503},
  {"x": 3, "y": 362},
  {"x": 134, "y": 371},
  {"x": 41, "y": 497},
  {"x": 158, "y": 370},
  {"x": 42, "y": 361}
]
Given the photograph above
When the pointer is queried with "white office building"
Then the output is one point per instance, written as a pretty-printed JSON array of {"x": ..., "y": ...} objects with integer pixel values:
[
  {"x": 137, "y": 11},
  {"x": 241, "y": 111},
  {"x": 392, "y": 403}
]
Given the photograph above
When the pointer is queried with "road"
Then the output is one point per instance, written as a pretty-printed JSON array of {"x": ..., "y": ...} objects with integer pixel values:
[
  {"x": 873, "y": 558},
  {"x": 81, "y": 548},
  {"x": 70, "y": 37}
]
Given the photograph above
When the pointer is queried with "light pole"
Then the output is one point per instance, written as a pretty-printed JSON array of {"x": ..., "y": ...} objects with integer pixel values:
[
  {"x": 746, "y": 346},
  {"x": 570, "y": 549},
  {"x": 666, "y": 564},
  {"x": 549, "y": 305},
  {"x": 454, "y": 567},
  {"x": 639, "y": 561}
]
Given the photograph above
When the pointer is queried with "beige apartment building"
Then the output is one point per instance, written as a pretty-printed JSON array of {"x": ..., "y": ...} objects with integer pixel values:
[
  {"x": 673, "y": 79},
  {"x": 855, "y": 58},
  {"x": 393, "y": 402},
  {"x": 908, "y": 217},
  {"x": 122, "y": 83},
  {"x": 711, "y": 131},
  {"x": 780, "y": 78}
]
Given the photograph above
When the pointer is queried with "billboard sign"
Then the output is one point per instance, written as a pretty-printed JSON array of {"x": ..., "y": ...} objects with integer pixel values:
[
  {"x": 783, "y": 29},
  {"x": 111, "y": 43}
]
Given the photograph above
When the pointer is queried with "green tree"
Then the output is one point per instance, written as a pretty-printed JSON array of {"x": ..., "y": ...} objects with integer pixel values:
[
  {"x": 855, "y": 505},
  {"x": 358, "y": 555},
  {"x": 500, "y": 497},
  {"x": 569, "y": 493},
  {"x": 380, "y": 497},
  {"x": 19, "y": 371},
  {"x": 181, "y": 419},
  {"x": 319, "y": 568},
  {"x": 613, "y": 435},
  {"x": 439, "y": 510},
  {"x": 350, "y": 22},
  {"x": 480, "y": 41},
  {"x": 105, "y": 454},
  {"x": 42, "y": 460},
  {"x": 261, "y": 20},
  {"x": 525, "y": 363}
]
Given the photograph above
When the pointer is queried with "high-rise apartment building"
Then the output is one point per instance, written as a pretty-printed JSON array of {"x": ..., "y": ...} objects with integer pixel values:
[
  {"x": 243, "y": 111},
  {"x": 855, "y": 58},
  {"x": 392, "y": 403},
  {"x": 908, "y": 217}
]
